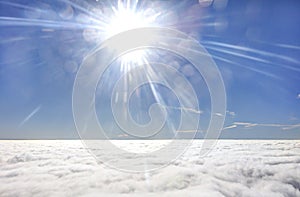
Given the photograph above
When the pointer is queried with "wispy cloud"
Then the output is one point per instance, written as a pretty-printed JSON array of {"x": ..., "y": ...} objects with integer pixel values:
[
  {"x": 219, "y": 114},
  {"x": 291, "y": 127},
  {"x": 231, "y": 113},
  {"x": 182, "y": 108},
  {"x": 230, "y": 127},
  {"x": 30, "y": 115},
  {"x": 298, "y": 96},
  {"x": 245, "y": 124},
  {"x": 250, "y": 125},
  {"x": 191, "y": 131},
  {"x": 123, "y": 135}
]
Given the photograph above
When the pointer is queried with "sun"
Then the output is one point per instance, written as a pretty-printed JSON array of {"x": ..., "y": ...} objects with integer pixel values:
[{"x": 124, "y": 19}]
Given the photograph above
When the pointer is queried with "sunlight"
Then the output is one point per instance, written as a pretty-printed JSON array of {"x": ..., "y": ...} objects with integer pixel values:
[{"x": 125, "y": 19}]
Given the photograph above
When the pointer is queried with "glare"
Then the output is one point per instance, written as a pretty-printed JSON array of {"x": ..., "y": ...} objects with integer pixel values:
[
  {"x": 124, "y": 19},
  {"x": 131, "y": 41}
]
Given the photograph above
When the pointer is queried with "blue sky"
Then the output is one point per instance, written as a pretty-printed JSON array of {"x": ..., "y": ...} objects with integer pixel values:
[{"x": 255, "y": 44}]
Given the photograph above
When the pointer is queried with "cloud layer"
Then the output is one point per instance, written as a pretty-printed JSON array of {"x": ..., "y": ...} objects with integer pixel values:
[{"x": 233, "y": 168}]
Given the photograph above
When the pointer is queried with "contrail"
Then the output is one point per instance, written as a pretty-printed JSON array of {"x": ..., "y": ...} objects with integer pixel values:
[{"x": 30, "y": 115}]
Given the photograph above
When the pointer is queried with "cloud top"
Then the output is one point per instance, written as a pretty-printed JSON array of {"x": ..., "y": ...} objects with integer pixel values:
[{"x": 233, "y": 168}]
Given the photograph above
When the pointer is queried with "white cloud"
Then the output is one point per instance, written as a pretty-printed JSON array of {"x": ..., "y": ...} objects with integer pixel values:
[
  {"x": 65, "y": 168},
  {"x": 288, "y": 127},
  {"x": 123, "y": 135},
  {"x": 230, "y": 127},
  {"x": 298, "y": 96},
  {"x": 231, "y": 113},
  {"x": 249, "y": 125},
  {"x": 219, "y": 114},
  {"x": 245, "y": 124},
  {"x": 182, "y": 108}
]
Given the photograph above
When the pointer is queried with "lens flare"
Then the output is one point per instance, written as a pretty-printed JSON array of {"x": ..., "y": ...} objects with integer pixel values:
[{"x": 126, "y": 18}]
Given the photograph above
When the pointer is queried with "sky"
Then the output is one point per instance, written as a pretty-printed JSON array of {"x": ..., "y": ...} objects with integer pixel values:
[{"x": 255, "y": 45}]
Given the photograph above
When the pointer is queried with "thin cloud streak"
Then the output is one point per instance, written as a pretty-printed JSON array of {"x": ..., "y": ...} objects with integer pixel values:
[
  {"x": 36, "y": 110},
  {"x": 230, "y": 127},
  {"x": 250, "y": 125},
  {"x": 182, "y": 108}
]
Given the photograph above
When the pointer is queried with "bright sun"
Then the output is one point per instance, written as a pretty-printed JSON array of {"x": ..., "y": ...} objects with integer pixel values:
[{"x": 124, "y": 19}]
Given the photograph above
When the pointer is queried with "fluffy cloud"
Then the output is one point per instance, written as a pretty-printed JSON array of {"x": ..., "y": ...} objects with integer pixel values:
[{"x": 233, "y": 168}]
